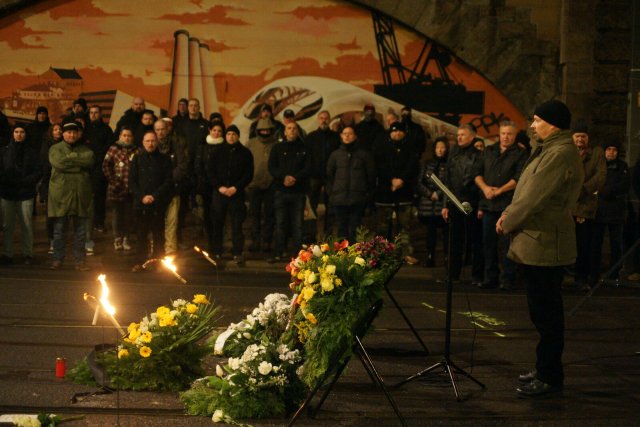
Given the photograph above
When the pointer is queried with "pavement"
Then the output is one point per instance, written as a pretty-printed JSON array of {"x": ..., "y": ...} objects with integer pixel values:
[{"x": 43, "y": 316}]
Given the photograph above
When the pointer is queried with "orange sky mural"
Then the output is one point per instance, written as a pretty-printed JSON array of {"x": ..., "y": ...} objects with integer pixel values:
[{"x": 128, "y": 46}]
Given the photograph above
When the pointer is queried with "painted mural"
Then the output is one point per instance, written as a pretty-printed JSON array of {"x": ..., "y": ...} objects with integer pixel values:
[{"x": 305, "y": 55}]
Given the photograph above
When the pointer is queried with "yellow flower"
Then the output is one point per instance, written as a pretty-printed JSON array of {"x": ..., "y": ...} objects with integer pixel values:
[
  {"x": 338, "y": 281},
  {"x": 300, "y": 275},
  {"x": 325, "y": 258},
  {"x": 167, "y": 320},
  {"x": 133, "y": 335},
  {"x": 327, "y": 284},
  {"x": 123, "y": 353},
  {"x": 331, "y": 269},
  {"x": 307, "y": 293},
  {"x": 146, "y": 337},
  {"x": 200, "y": 299},
  {"x": 360, "y": 261},
  {"x": 132, "y": 326},
  {"x": 311, "y": 318},
  {"x": 312, "y": 278},
  {"x": 162, "y": 311},
  {"x": 192, "y": 308},
  {"x": 324, "y": 247},
  {"x": 145, "y": 351}
]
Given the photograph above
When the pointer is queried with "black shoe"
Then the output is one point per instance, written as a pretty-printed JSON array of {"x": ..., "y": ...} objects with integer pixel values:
[
  {"x": 537, "y": 388},
  {"x": 528, "y": 377},
  {"x": 487, "y": 285},
  {"x": 5, "y": 260}
]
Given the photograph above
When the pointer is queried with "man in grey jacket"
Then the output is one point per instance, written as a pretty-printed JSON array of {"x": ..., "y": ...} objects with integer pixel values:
[{"x": 543, "y": 238}]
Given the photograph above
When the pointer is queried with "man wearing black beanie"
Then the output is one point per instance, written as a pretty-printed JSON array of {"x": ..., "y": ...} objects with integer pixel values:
[{"x": 543, "y": 238}]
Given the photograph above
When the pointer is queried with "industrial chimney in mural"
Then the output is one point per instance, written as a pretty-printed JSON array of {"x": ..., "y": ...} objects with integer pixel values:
[{"x": 192, "y": 73}]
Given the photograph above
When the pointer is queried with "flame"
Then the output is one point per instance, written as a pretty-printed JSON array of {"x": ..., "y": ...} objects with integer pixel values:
[
  {"x": 168, "y": 262},
  {"x": 104, "y": 299},
  {"x": 197, "y": 249}
]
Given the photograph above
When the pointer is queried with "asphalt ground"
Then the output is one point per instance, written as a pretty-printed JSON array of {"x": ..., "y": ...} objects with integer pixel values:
[{"x": 43, "y": 316}]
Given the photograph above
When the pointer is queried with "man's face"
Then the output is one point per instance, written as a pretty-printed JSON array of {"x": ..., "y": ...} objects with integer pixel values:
[
  {"x": 126, "y": 136},
  {"x": 160, "y": 128},
  {"x": 138, "y": 105},
  {"x": 182, "y": 107},
  {"x": 611, "y": 153},
  {"x": 70, "y": 136},
  {"x": 347, "y": 135},
  {"x": 194, "y": 108},
  {"x": 94, "y": 114},
  {"x": 581, "y": 140},
  {"x": 291, "y": 131},
  {"x": 397, "y": 135},
  {"x": 147, "y": 119},
  {"x": 150, "y": 142},
  {"x": 507, "y": 136},
  {"x": 541, "y": 129},
  {"x": 323, "y": 120},
  {"x": 41, "y": 116},
  {"x": 19, "y": 135},
  {"x": 265, "y": 114},
  {"x": 232, "y": 137},
  {"x": 464, "y": 137}
]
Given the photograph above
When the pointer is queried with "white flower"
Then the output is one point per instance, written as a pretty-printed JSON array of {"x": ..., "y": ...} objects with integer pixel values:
[
  {"x": 317, "y": 252},
  {"x": 218, "y": 416},
  {"x": 265, "y": 367},
  {"x": 331, "y": 269},
  {"x": 179, "y": 303},
  {"x": 360, "y": 261},
  {"x": 219, "y": 371},
  {"x": 247, "y": 335},
  {"x": 300, "y": 371},
  {"x": 25, "y": 421},
  {"x": 234, "y": 363}
]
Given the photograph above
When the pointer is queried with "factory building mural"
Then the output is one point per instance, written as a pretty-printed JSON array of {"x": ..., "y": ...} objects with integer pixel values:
[{"x": 304, "y": 55}]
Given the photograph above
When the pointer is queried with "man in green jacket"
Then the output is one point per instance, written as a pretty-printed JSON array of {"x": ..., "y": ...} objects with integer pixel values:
[
  {"x": 543, "y": 238},
  {"x": 70, "y": 194}
]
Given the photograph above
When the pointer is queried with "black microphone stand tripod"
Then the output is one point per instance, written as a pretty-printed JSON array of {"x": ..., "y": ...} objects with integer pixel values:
[{"x": 446, "y": 364}]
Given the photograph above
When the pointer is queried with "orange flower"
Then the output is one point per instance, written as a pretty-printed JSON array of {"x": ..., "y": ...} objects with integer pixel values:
[
  {"x": 305, "y": 256},
  {"x": 342, "y": 245}
]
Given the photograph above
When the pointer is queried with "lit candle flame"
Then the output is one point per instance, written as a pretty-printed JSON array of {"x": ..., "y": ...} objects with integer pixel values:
[
  {"x": 104, "y": 299},
  {"x": 205, "y": 255},
  {"x": 168, "y": 263}
]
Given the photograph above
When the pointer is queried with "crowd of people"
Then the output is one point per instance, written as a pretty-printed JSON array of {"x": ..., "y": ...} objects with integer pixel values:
[{"x": 152, "y": 172}]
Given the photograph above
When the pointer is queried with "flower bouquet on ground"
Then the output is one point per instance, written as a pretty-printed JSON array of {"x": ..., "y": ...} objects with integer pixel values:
[
  {"x": 266, "y": 323},
  {"x": 161, "y": 353}
]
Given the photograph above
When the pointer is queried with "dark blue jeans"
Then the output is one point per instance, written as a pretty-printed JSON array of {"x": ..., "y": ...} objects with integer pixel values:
[
  {"x": 496, "y": 263},
  {"x": 349, "y": 218},
  {"x": 289, "y": 212}
]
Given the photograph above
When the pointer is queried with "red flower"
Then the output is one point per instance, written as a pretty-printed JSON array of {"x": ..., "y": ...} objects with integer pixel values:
[{"x": 342, "y": 245}]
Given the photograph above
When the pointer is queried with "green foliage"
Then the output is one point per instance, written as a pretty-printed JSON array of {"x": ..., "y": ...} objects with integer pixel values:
[{"x": 81, "y": 374}]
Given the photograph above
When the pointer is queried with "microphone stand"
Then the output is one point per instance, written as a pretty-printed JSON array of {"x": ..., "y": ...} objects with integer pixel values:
[{"x": 446, "y": 364}]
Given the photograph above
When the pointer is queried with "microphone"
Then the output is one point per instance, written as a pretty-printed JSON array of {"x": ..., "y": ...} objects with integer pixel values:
[{"x": 467, "y": 207}]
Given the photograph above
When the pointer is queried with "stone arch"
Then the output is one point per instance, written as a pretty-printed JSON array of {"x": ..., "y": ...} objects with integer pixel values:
[{"x": 500, "y": 42}]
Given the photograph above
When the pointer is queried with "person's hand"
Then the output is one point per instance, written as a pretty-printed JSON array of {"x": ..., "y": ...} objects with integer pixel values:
[
  {"x": 580, "y": 220},
  {"x": 148, "y": 199},
  {"x": 435, "y": 197},
  {"x": 222, "y": 190},
  {"x": 396, "y": 183},
  {"x": 289, "y": 181},
  {"x": 488, "y": 192},
  {"x": 480, "y": 214},
  {"x": 445, "y": 214},
  {"x": 230, "y": 191},
  {"x": 499, "y": 228}
]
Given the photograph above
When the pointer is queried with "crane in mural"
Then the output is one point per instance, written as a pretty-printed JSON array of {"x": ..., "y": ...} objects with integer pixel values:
[{"x": 426, "y": 86}]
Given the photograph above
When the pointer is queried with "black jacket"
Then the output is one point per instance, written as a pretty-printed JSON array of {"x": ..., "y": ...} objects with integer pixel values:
[
  {"x": 37, "y": 132},
  {"x": 369, "y": 131},
  {"x": 321, "y": 143},
  {"x": 131, "y": 119},
  {"x": 497, "y": 169},
  {"x": 150, "y": 173},
  {"x": 462, "y": 166},
  {"x": 351, "y": 176},
  {"x": 194, "y": 131},
  {"x": 230, "y": 166},
  {"x": 99, "y": 139},
  {"x": 19, "y": 170},
  {"x": 290, "y": 158},
  {"x": 612, "y": 197},
  {"x": 426, "y": 187},
  {"x": 395, "y": 159}
]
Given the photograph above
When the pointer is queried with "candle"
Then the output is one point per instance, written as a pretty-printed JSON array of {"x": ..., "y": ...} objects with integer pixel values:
[
  {"x": 109, "y": 309},
  {"x": 168, "y": 263},
  {"x": 205, "y": 255}
]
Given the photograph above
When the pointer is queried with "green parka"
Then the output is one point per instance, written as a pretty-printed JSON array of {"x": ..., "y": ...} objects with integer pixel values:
[
  {"x": 70, "y": 184},
  {"x": 539, "y": 216}
]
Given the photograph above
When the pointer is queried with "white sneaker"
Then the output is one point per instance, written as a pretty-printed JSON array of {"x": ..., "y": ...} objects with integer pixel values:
[
  {"x": 89, "y": 251},
  {"x": 125, "y": 244},
  {"x": 50, "y": 251},
  {"x": 117, "y": 244}
]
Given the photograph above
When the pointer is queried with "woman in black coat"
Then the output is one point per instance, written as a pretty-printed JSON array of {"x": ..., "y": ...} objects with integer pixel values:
[
  {"x": 351, "y": 178},
  {"x": 19, "y": 174},
  {"x": 431, "y": 199}
]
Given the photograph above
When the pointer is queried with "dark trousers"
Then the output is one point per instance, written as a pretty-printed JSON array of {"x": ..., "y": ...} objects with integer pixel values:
[
  {"x": 317, "y": 194},
  {"x": 349, "y": 218},
  {"x": 262, "y": 214},
  {"x": 496, "y": 264},
  {"x": 435, "y": 223},
  {"x": 186, "y": 197},
  {"x": 207, "y": 219},
  {"x": 466, "y": 244},
  {"x": 616, "y": 245},
  {"x": 544, "y": 297},
  {"x": 289, "y": 209},
  {"x": 584, "y": 244},
  {"x": 99, "y": 203},
  {"x": 234, "y": 206},
  {"x": 149, "y": 221}
]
